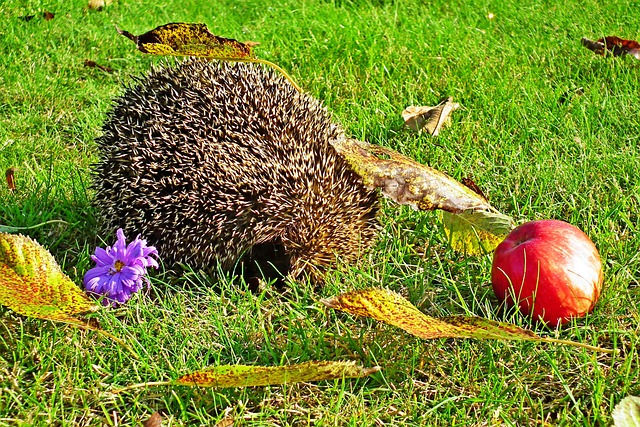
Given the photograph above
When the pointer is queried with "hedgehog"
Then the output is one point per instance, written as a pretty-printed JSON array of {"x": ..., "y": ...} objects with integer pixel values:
[{"x": 221, "y": 165}]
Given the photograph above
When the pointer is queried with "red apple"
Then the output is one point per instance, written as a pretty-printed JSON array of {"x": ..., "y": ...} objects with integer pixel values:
[{"x": 550, "y": 268}]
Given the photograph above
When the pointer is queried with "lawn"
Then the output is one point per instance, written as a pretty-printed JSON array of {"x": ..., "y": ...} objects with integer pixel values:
[{"x": 547, "y": 129}]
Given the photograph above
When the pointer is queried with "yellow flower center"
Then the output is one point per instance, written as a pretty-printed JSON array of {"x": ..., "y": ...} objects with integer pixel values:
[{"x": 119, "y": 264}]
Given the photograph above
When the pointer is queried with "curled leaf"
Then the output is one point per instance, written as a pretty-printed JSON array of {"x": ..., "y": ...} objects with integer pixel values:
[
  {"x": 32, "y": 283},
  {"x": 389, "y": 307},
  {"x": 430, "y": 119},
  {"x": 187, "y": 39},
  {"x": 251, "y": 376},
  {"x": 476, "y": 232},
  {"x": 406, "y": 181}
]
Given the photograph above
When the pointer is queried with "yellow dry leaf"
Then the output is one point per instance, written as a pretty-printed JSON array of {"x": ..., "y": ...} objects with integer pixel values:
[
  {"x": 249, "y": 376},
  {"x": 186, "y": 39},
  {"x": 32, "y": 283},
  {"x": 252, "y": 376},
  {"x": 389, "y": 307}
]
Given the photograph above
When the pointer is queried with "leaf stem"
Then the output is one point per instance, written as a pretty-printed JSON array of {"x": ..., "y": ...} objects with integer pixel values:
[
  {"x": 141, "y": 385},
  {"x": 577, "y": 344},
  {"x": 265, "y": 62}
]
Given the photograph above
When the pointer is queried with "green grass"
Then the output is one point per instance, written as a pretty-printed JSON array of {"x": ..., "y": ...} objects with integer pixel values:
[{"x": 534, "y": 156}]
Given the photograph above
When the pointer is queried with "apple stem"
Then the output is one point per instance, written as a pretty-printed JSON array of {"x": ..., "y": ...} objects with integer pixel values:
[{"x": 579, "y": 344}]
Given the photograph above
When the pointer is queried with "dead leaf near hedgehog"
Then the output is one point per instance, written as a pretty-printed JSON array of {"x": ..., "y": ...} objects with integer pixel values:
[
  {"x": 98, "y": 4},
  {"x": 430, "y": 119}
]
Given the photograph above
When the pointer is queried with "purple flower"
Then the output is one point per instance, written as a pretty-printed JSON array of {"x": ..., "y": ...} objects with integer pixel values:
[{"x": 120, "y": 270}]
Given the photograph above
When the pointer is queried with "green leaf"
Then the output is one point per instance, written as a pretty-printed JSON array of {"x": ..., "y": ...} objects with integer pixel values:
[
  {"x": 32, "y": 283},
  {"x": 252, "y": 376},
  {"x": 389, "y": 307},
  {"x": 476, "y": 232},
  {"x": 627, "y": 412}
]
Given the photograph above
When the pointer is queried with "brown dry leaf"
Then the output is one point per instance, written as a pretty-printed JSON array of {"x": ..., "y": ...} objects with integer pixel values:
[
  {"x": 186, "y": 39},
  {"x": 48, "y": 16},
  {"x": 389, "y": 307},
  {"x": 225, "y": 422},
  {"x": 430, "y": 119},
  {"x": 10, "y": 176},
  {"x": 468, "y": 182},
  {"x": 155, "y": 420},
  {"x": 614, "y": 45},
  {"x": 92, "y": 64}
]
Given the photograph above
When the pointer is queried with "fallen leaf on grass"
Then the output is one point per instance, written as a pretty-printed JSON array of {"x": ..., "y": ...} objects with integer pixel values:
[
  {"x": 98, "y": 4},
  {"x": 32, "y": 284},
  {"x": 187, "y": 39},
  {"x": 252, "y": 376},
  {"x": 627, "y": 412},
  {"x": 92, "y": 64},
  {"x": 48, "y": 16},
  {"x": 614, "y": 45},
  {"x": 155, "y": 420},
  {"x": 10, "y": 176},
  {"x": 406, "y": 181},
  {"x": 430, "y": 119},
  {"x": 389, "y": 307},
  {"x": 476, "y": 233}
]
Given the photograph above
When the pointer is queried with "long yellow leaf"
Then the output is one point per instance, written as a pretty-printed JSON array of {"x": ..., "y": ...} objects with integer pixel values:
[
  {"x": 252, "y": 376},
  {"x": 389, "y": 307}
]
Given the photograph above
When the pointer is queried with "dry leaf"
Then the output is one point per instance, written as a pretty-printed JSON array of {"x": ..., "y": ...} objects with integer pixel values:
[
  {"x": 406, "y": 181},
  {"x": 614, "y": 45},
  {"x": 252, "y": 376},
  {"x": 477, "y": 230},
  {"x": 431, "y": 119},
  {"x": 155, "y": 420},
  {"x": 188, "y": 40},
  {"x": 627, "y": 412},
  {"x": 10, "y": 176},
  {"x": 468, "y": 182},
  {"x": 389, "y": 307},
  {"x": 98, "y": 4},
  {"x": 92, "y": 64},
  {"x": 48, "y": 16},
  {"x": 225, "y": 422},
  {"x": 32, "y": 283}
]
